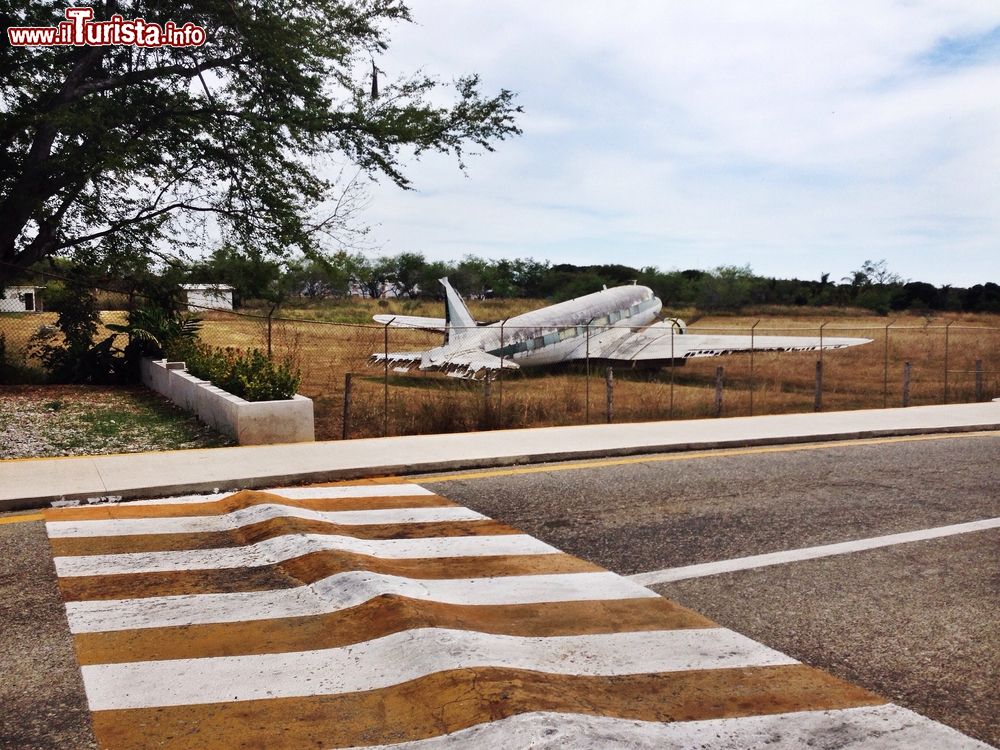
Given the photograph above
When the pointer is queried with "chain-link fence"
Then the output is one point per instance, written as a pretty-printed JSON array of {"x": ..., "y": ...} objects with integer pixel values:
[{"x": 904, "y": 364}]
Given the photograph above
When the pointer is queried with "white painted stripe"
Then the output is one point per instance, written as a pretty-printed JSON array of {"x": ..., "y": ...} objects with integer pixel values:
[
  {"x": 256, "y": 514},
  {"x": 301, "y": 493},
  {"x": 342, "y": 591},
  {"x": 808, "y": 553},
  {"x": 410, "y": 654},
  {"x": 287, "y": 547},
  {"x": 887, "y": 727}
]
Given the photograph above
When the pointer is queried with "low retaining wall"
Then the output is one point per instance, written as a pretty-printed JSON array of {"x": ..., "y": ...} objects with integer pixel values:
[{"x": 248, "y": 422}]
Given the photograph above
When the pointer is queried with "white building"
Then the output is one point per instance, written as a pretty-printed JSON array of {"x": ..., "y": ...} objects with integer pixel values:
[
  {"x": 21, "y": 299},
  {"x": 211, "y": 296}
]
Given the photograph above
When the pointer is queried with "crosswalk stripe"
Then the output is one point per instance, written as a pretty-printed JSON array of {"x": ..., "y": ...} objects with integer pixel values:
[
  {"x": 288, "y": 547},
  {"x": 256, "y": 514},
  {"x": 311, "y": 568},
  {"x": 413, "y": 654},
  {"x": 887, "y": 727},
  {"x": 270, "y": 529},
  {"x": 338, "y": 592},
  {"x": 447, "y": 702},
  {"x": 378, "y": 617},
  {"x": 385, "y": 615}
]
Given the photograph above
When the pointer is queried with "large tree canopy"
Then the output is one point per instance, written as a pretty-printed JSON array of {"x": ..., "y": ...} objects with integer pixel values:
[{"x": 124, "y": 147}]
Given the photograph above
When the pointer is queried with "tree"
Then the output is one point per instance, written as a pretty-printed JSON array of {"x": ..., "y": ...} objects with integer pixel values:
[{"x": 127, "y": 149}]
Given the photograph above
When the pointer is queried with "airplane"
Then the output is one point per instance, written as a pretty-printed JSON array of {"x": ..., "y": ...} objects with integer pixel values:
[{"x": 613, "y": 326}]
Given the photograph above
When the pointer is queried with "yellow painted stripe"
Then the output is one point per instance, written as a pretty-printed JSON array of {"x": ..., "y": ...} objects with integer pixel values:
[
  {"x": 380, "y": 617},
  {"x": 238, "y": 501},
  {"x": 452, "y": 700},
  {"x": 682, "y": 456},
  {"x": 270, "y": 529},
  {"x": 310, "y": 568},
  {"x": 22, "y": 518}
]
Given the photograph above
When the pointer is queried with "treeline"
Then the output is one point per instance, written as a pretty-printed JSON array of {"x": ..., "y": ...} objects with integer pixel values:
[{"x": 410, "y": 275}]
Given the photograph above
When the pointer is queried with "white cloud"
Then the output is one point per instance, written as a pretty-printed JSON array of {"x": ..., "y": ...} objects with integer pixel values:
[{"x": 798, "y": 137}]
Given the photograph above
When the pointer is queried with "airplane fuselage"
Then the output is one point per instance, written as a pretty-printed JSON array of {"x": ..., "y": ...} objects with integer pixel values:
[{"x": 550, "y": 335}]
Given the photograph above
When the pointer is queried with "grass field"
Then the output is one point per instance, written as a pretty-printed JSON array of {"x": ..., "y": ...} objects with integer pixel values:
[{"x": 860, "y": 377}]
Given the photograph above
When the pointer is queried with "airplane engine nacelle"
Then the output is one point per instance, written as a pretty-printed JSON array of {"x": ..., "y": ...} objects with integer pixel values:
[{"x": 677, "y": 324}]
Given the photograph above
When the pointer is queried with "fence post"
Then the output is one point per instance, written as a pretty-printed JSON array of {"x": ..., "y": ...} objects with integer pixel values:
[
  {"x": 673, "y": 367},
  {"x": 979, "y": 380},
  {"x": 818, "y": 398},
  {"x": 946, "y": 360},
  {"x": 347, "y": 405},
  {"x": 752, "y": 331},
  {"x": 609, "y": 381},
  {"x": 385, "y": 383},
  {"x": 587, "y": 382},
  {"x": 500, "y": 405},
  {"x": 488, "y": 398},
  {"x": 270, "y": 314},
  {"x": 885, "y": 367},
  {"x": 718, "y": 391},
  {"x": 906, "y": 384}
]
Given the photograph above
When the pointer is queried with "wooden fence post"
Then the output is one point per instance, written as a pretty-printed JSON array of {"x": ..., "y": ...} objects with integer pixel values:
[
  {"x": 818, "y": 398},
  {"x": 347, "y": 405},
  {"x": 906, "y": 384},
  {"x": 609, "y": 381},
  {"x": 718, "y": 390},
  {"x": 979, "y": 380}
]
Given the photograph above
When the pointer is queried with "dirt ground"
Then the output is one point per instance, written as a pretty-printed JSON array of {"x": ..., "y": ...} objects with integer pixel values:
[{"x": 69, "y": 420}]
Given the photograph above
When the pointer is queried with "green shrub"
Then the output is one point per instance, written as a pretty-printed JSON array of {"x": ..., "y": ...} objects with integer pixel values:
[{"x": 250, "y": 375}]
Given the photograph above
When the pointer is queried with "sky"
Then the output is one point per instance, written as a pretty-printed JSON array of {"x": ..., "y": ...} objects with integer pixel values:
[{"x": 800, "y": 138}]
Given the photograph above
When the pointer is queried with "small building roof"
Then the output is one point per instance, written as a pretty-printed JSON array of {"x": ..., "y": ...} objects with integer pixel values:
[{"x": 195, "y": 287}]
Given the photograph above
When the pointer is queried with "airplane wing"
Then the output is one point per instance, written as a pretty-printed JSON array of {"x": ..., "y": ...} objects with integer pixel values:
[
  {"x": 436, "y": 325},
  {"x": 654, "y": 343},
  {"x": 473, "y": 363}
]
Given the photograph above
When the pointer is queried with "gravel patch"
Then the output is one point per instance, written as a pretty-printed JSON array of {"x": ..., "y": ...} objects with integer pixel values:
[{"x": 70, "y": 420}]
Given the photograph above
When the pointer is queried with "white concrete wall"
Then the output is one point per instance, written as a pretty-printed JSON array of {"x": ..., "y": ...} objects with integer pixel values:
[
  {"x": 248, "y": 422},
  {"x": 13, "y": 299}
]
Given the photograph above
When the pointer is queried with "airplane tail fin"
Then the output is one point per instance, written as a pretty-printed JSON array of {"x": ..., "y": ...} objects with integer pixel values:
[{"x": 457, "y": 316}]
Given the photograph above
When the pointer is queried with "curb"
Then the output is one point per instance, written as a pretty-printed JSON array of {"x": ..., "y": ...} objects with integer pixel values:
[{"x": 141, "y": 491}]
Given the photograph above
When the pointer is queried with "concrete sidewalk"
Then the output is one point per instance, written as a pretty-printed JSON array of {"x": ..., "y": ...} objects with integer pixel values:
[{"x": 32, "y": 483}]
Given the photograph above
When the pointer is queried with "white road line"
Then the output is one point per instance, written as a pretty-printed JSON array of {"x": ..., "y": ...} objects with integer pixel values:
[
  {"x": 408, "y": 655},
  {"x": 256, "y": 514},
  {"x": 301, "y": 493},
  {"x": 887, "y": 727},
  {"x": 807, "y": 553},
  {"x": 342, "y": 591},
  {"x": 290, "y": 546}
]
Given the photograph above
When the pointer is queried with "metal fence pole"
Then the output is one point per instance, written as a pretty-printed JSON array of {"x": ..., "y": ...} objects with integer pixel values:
[
  {"x": 979, "y": 380},
  {"x": 347, "y": 405},
  {"x": 609, "y": 381},
  {"x": 906, "y": 384},
  {"x": 946, "y": 360},
  {"x": 752, "y": 332},
  {"x": 718, "y": 390}
]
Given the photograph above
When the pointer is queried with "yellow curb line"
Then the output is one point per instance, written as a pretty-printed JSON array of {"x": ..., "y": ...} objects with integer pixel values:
[
  {"x": 22, "y": 518},
  {"x": 720, "y": 453}
]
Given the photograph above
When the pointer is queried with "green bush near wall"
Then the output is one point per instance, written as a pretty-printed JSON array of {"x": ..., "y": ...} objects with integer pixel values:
[{"x": 249, "y": 375}]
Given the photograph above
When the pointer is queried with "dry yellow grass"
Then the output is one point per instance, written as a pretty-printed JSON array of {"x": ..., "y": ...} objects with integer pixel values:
[{"x": 859, "y": 377}]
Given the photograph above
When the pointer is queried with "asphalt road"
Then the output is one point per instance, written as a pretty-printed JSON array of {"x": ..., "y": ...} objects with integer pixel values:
[{"x": 918, "y": 622}]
